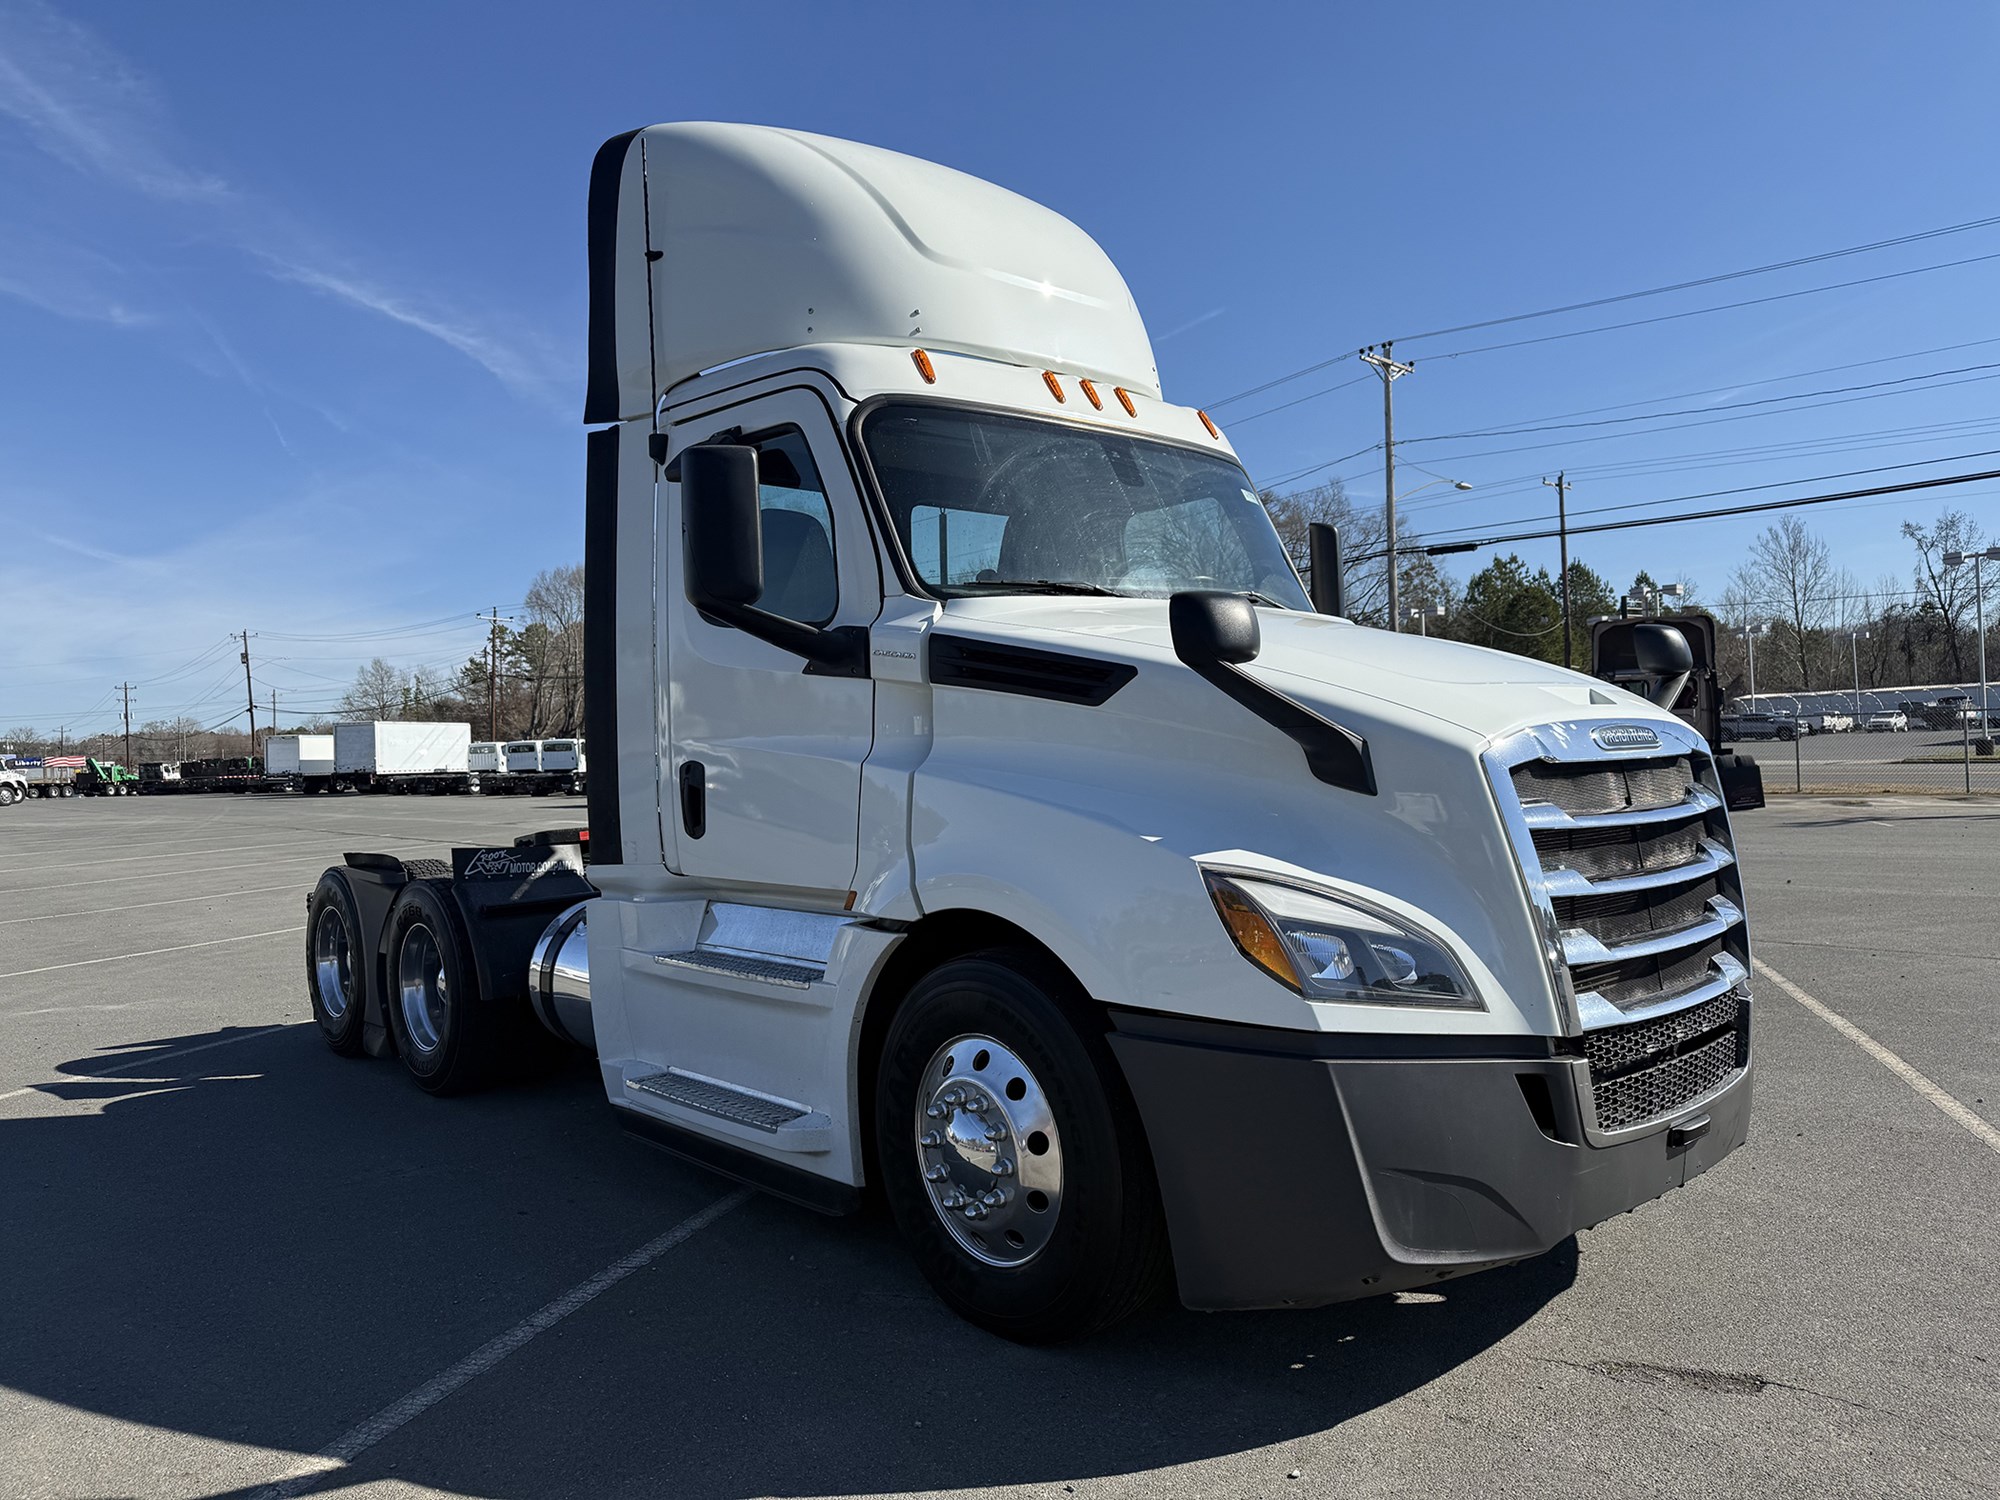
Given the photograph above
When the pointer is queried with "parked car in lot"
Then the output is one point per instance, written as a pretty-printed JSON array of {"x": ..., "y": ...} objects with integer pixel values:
[
  {"x": 1828, "y": 722},
  {"x": 1768, "y": 727},
  {"x": 1892, "y": 721}
]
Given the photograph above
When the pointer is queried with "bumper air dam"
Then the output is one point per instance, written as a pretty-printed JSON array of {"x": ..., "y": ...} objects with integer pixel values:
[{"x": 1299, "y": 1169}]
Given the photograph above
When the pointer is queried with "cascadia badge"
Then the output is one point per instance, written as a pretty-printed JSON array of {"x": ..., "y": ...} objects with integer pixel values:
[{"x": 1625, "y": 737}]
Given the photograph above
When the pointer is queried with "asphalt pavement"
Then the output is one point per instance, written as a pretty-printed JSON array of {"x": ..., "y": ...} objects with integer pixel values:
[{"x": 233, "y": 1264}]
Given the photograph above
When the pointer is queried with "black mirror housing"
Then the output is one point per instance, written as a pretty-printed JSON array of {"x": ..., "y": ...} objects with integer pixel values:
[
  {"x": 1210, "y": 627},
  {"x": 1664, "y": 660},
  {"x": 1329, "y": 587},
  {"x": 723, "y": 562}
]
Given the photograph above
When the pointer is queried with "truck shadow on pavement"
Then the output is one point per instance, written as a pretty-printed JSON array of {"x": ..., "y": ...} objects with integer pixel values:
[{"x": 261, "y": 1244}]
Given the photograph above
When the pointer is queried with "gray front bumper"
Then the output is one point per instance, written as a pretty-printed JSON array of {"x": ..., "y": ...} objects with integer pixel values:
[{"x": 1299, "y": 1169}]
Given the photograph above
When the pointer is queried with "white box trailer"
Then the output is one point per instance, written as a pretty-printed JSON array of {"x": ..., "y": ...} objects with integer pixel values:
[
  {"x": 987, "y": 814},
  {"x": 403, "y": 755},
  {"x": 299, "y": 755},
  {"x": 486, "y": 758}
]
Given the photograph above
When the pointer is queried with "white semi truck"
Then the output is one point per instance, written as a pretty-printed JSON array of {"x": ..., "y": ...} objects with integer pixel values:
[{"x": 987, "y": 818}]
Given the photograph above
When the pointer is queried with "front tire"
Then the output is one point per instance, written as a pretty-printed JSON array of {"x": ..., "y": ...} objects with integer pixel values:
[{"x": 1012, "y": 1156}]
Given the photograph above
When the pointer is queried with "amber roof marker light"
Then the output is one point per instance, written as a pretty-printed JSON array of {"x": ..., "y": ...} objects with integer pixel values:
[
  {"x": 1125, "y": 400},
  {"x": 1054, "y": 385},
  {"x": 923, "y": 364},
  {"x": 1090, "y": 391},
  {"x": 1207, "y": 422}
]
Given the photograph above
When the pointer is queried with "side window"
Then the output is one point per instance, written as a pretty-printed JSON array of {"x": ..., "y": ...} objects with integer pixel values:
[
  {"x": 954, "y": 546},
  {"x": 799, "y": 578}
]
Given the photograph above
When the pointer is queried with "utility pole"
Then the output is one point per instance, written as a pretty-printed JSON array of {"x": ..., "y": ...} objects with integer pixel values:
[
  {"x": 1386, "y": 366},
  {"x": 274, "y": 719},
  {"x": 126, "y": 689},
  {"x": 1560, "y": 484},
  {"x": 492, "y": 674},
  {"x": 249, "y": 693}
]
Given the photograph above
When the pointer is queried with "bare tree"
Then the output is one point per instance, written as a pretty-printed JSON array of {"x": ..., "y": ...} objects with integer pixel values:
[
  {"x": 1791, "y": 573},
  {"x": 377, "y": 693},
  {"x": 1950, "y": 592},
  {"x": 555, "y": 604}
]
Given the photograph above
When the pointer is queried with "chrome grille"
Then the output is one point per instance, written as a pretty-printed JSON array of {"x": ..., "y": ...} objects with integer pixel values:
[
  {"x": 1674, "y": 1076},
  {"x": 1629, "y": 861}
]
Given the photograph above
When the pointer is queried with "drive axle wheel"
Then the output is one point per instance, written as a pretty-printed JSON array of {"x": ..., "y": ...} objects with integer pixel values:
[
  {"x": 333, "y": 964},
  {"x": 1011, "y": 1154},
  {"x": 443, "y": 1031}
]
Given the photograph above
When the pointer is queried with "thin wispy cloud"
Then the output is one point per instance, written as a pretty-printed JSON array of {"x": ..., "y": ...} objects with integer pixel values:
[
  {"x": 499, "y": 358},
  {"x": 65, "y": 303},
  {"x": 1191, "y": 323},
  {"x": 85, "y": 107}
]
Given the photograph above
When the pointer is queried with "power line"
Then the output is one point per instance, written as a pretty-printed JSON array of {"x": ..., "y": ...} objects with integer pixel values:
[
  {"x": 1683, "y": 286},
  {"x": 1679, "y": 286},
  {"x": 1720, "y": 512}
]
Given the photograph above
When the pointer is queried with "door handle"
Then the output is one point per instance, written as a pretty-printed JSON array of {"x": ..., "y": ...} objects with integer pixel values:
[{"x": 694, "y": 798}]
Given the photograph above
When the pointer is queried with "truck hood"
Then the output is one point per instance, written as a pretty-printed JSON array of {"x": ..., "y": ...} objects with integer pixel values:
[{"x": 1322, "y": 660}]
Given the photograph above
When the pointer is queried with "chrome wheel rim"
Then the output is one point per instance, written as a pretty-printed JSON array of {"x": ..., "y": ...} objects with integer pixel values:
[
  {"x": 421, "y": 989},
  {"x": 333, "y": 963},
  {"x": 989, "y": 1151}
]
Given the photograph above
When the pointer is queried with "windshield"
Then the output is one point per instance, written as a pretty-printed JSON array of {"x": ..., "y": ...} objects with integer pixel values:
[{"x": 990, "y": 504}]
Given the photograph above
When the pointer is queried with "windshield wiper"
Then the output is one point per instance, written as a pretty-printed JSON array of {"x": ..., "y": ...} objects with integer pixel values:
[
  {"x": 1256, "y": 598},
  {"x": 1041, "y": 586}
]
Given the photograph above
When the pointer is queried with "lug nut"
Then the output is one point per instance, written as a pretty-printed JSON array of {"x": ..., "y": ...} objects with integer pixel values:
[
  {"x": 996, "y": 1132},
  {"x": 935, "y": 1172},
  {"x": 935, "y": 1111},
  {"x": 931, "y": 1138},
  {"x": 976, "y": 1105},
  {"x": 974, "y": 1211},
  {"x": 1003, "y": 1168},
  {"x": 993, "y": 1198}
]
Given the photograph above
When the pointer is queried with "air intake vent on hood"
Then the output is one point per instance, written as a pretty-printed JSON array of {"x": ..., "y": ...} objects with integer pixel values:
[{"x": 958, "y": 662}]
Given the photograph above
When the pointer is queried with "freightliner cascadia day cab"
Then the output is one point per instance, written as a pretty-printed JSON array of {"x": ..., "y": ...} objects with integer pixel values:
[{"x": 986, "y": 818}]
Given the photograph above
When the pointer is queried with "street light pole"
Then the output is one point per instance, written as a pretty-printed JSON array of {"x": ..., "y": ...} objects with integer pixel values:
[
  {"x": 1954, "y": 561},
  {"x": 1854, "y": 640},
  {"x": 1750, "y": 645},
  {"x": 1560, "y": 484}
]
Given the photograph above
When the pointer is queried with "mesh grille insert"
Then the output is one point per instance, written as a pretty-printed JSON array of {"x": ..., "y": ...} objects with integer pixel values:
[
  {"x": 1621, "y": 919},
  {"x": 1610, "y": 853},
  {"x": 1652, "y": 1068},
  {"x": 1596, "y": 788}
]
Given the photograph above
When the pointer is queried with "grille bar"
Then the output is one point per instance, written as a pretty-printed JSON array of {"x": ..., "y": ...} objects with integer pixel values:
[
  {"x": 1581, "y": 947},
  {"x": 1699, "y": 800},
  {"x": 1713, "y": 858},
  {"x": 1598, "y": 1010}
]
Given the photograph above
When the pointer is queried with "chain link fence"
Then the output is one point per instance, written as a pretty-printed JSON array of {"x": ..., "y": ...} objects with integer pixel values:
[{"x": 1818, "y": 743}]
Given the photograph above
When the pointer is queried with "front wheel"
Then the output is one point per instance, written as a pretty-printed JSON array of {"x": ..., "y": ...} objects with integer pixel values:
[{"x": 1012, "y": 1156}]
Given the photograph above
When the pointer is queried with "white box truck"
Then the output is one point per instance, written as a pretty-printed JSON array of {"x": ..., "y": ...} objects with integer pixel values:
[
  {"x": 485, "y": 757},
  {"x": 302, "y": 761},
  {"x": 543, "y": 768},
  {"x": 391, "y": 755},
  {"x": 987, "y": 816}
]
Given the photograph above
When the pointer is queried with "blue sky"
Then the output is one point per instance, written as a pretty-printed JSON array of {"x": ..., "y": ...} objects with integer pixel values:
[{"x": 292, "y": 299}]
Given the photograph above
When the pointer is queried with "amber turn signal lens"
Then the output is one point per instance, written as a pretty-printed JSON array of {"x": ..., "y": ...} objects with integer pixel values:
[
  {"x": 1252, "y": 931},
  {"x": 1125, "y": 400},
  {"x": 1091, "y": 391},
  {"x": 1054, "y": 385},
  {"x": 924, "y": 369},
  {"x": 1209, "y": 425}
]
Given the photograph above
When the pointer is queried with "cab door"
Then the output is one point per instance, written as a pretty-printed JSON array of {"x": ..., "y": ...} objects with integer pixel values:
[{"x": 762, "y": 769}]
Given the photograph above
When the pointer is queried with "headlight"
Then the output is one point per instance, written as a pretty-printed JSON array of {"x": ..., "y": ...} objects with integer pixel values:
[{"x": 1330, "y": 949}]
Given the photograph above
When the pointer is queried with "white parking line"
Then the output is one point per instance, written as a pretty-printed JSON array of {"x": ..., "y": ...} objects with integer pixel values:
[
  {"x": 84, "y": 963},
  {"x": 1950, "y": 1106},
  {"x": 352, "y": 1444},
  {"x": 126, "y": 859},
  {"x": 149, "y": 1059},
  {"x": 102, "y": 911},
  {"x": 322, "y": 860}
]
